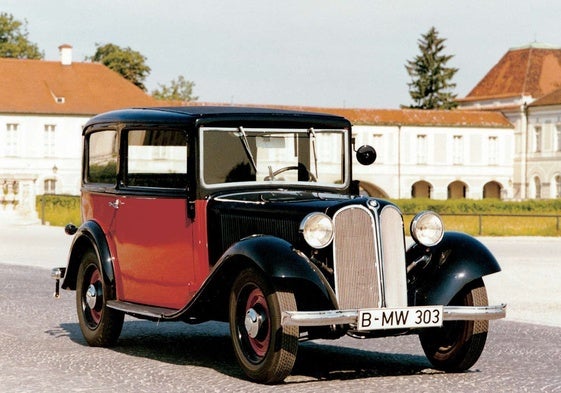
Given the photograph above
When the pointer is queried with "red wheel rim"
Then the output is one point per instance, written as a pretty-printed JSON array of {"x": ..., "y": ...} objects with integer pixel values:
[{"x": 95, "y": 312}]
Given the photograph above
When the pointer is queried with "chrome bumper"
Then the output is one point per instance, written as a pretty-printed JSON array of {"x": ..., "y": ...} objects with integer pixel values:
[{"x": 345, "y": 317}]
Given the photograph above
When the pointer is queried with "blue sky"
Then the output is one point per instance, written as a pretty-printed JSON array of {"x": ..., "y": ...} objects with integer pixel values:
[{"x": 347, "y": 53}]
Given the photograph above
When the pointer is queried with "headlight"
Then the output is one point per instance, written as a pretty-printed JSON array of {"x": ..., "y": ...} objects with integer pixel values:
[
  {"x": 317, "y": 229},
  {"x": 427, "y": 228}
]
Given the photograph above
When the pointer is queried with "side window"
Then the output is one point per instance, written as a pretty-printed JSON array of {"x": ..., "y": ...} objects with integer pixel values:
[
  {"x": 102, "y": 157},
  {"x": 156, "y": 158}
]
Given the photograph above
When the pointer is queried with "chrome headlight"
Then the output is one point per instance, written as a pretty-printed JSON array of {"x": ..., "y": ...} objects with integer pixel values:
[
  {"x": 317, "y": 229},
  {"x": 427, "y": 228}
]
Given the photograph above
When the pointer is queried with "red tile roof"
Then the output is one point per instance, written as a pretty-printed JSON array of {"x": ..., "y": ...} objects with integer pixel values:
[
  {"x": 33, "y": 86},
  {"x": 407, "y": 117},
  {"x": 425, "y": 118},
  {"x": 531, "y": 70},
  {"x": 553, "y": 98}
]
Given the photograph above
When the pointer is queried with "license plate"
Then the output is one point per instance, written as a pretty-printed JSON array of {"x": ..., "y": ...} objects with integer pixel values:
[{"x": 398, "y": 318}]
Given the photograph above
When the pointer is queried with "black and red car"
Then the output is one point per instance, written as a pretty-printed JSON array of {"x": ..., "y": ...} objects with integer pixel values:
[{"x": 251, "y": 216}]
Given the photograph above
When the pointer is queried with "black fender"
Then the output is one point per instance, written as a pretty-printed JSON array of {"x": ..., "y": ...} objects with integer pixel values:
[
  {"x": 278, "y": 261},
  {"x": 89, "y": 236},
  {"x": 453, "y": 263}
]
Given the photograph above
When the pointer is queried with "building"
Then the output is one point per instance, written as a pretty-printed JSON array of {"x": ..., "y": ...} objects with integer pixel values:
[
  {"x": 434, "y": 154},
  {"x": 504, "y": 142},
  {"x": 43, "y": 106},
  {"x": 524, "y": 86}
]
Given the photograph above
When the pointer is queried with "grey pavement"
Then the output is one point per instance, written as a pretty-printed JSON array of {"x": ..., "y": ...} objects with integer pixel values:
[{"x": 530, "y": 282}]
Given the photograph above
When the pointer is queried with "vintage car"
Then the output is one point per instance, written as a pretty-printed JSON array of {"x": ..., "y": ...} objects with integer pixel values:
[{"x": 250, "y": 216}]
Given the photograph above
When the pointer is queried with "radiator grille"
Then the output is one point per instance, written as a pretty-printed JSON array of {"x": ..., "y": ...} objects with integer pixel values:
[
  {"x": 357, "y": 280},
  {"x": 393, "y": 250}
]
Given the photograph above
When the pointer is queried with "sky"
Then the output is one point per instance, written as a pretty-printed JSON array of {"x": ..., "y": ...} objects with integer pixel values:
[{"x": 318, "y": 53}]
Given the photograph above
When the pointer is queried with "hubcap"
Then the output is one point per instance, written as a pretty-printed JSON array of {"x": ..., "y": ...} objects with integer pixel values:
[
  {"x": 253, "y": 322},
  {"x": 91, "y": 296}
]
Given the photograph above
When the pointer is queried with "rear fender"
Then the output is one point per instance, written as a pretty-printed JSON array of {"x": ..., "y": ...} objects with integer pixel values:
[
  {"x": 456, "y": 261},
  {"x": 89, "y": 236}
]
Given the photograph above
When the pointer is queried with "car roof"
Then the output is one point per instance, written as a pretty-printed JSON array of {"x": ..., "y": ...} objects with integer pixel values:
[{"x": 217, "y": 115}]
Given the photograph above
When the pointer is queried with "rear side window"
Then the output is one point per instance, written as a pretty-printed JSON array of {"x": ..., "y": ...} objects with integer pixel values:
[
  {"x": 156, "y": 158},
  {"x": 102, "y": 157}
]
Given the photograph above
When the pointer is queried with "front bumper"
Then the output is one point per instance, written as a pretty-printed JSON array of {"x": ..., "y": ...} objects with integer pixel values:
[{"x": 350, "y": 317}]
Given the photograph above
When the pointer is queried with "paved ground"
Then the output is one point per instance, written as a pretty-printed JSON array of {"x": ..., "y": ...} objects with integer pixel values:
[
  {"x": 530, "y": 282},
  {"x": 43, "y": 350}
]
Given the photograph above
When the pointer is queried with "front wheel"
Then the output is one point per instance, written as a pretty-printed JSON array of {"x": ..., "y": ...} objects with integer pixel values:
[
  {"x": 100, "y": 325},
  {"x": 265, "y": 350},
  {"x": 457, "y": 345}
]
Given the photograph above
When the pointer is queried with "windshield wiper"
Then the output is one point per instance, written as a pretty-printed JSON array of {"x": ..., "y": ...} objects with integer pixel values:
[{"x": 245, "y": 144}]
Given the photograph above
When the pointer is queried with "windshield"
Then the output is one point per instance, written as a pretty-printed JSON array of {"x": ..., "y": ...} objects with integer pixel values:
[{"x": 270, "y": 156}]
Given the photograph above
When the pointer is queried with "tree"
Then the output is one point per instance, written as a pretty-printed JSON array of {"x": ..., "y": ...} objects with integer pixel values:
[
  {"x": 13, "y": 39},
  {"x": 431, "y": 86},
  {"x": 127, "y": 62},
  {"x": 179, "y": 89}
]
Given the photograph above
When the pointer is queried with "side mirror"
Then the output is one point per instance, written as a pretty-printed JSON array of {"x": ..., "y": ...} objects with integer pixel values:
[{"x": 366, "y": 155}]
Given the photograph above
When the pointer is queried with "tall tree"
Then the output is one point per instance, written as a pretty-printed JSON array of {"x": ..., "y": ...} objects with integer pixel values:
[
  {"x": 179, "y": 89},
  {"x": 127, "y": 62},
  {"x": 13, "y": 39},
  {"x": 431, "y": 86}
]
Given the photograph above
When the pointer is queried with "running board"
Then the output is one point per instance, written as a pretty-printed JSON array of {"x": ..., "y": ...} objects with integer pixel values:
[{"x": 141, "y": 309}]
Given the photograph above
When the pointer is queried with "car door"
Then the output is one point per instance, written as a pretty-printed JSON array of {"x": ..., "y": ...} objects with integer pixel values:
[{"x": 151, "y": 231}]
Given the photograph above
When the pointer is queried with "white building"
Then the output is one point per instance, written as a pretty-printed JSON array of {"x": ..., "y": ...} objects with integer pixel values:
[
  {"x": 43, "y": 106},
  {"x": 435, "y": 154},
  {"x": 504, "y": 142},
  {"x": 524, "y": 86}
]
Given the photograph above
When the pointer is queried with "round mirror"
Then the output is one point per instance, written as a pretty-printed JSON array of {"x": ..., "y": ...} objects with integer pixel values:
[{"x": 366, "y": 155}]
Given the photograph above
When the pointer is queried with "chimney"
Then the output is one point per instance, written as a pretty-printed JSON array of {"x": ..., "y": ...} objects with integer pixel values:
[{"x": 65, "y": 54}]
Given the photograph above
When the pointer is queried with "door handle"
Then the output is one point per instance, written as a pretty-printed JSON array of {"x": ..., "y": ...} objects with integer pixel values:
[{"x": 116, "y": 204}]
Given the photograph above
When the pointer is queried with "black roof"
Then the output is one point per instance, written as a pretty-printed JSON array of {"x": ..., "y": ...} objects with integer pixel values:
[{"x": 219, "y": 115}]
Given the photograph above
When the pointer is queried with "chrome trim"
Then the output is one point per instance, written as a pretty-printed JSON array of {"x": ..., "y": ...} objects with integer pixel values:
[
  {"x": 57, "y": 273},
  {"x": 345, "y": 317}
]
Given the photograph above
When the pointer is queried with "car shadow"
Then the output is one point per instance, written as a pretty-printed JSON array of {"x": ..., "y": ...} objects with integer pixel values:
[{"x": 209, "y": 345}]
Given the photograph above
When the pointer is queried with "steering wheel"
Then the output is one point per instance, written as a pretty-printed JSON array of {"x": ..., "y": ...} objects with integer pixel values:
[{"x": 302, "y": 173}]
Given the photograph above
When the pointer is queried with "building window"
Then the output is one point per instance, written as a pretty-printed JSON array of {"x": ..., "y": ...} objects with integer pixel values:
[
  {"x": 557, "y": 138},
  {"x": 49, "y": 140},
  {"x": 537, "y": 139},
  {"x": 422, "y": 149},
  {"x": 11, "y": 139},
  {"x": 458, "y": 150},
  {"x": 50, "y": 186},
  {"x": 377, "y": 143},
  {"x": 557, "y": 187},
  {"x": 537, "y": 188},
  {"x": 493, "y": 150}
]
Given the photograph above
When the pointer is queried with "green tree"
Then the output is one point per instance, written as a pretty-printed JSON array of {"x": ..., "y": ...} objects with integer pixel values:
[
  {"x": 13, "y": 39},
  {"x": 127, "y": 62},
  {"x": 179, "y": 89},
  {"x": 431, "y": 86}
]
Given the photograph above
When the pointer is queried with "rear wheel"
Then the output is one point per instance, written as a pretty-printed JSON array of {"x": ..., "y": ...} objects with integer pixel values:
[
  {"x": 457, "y": 345},
  {"x": 265, "y": 350},
  {"x": 100, "y": 325}
]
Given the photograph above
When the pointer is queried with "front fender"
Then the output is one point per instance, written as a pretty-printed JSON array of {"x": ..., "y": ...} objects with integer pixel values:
[
  {"x": 456, "y": 261},
  {"x": 89, "y": 235},
  {"x": 286, "y": 267},
  {"x": 277, "y": 260}
]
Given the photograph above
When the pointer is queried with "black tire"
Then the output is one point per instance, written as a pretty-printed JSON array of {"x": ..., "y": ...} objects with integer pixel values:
[
  {"x": 100, "y": 325},
  {"x": 457, "y": 345},
  {"x": 266, "y": 351}
]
